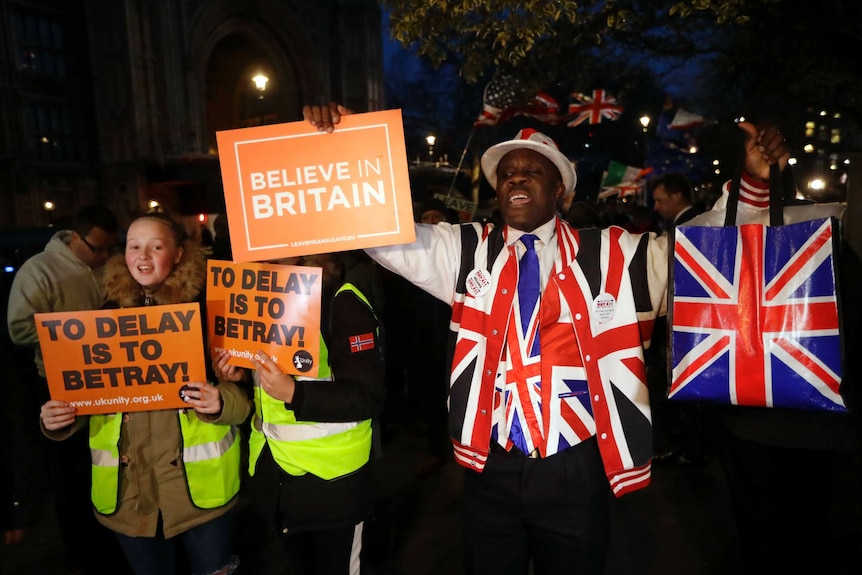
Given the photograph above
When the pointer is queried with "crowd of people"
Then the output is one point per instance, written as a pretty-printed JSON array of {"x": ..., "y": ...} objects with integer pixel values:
[{"x": 529, "y": 348}]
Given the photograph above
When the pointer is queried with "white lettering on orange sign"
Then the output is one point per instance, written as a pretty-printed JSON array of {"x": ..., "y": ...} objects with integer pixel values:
[
  {"x": 302, "y": 175},
  {"x": 317, "y": 200}
]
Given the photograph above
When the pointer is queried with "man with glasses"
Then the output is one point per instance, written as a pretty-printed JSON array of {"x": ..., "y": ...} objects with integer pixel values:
[
  {"x": 63, "y": 278},
  {"x": 101, "y": 251}
]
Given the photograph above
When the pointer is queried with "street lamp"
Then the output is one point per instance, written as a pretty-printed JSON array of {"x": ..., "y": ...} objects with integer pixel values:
[
  {"x": 256, "y": 112},
  {"x": 645, "y": 120},
  {"x": 260, "y": 82},
  {"x": 430, "y": 140}
]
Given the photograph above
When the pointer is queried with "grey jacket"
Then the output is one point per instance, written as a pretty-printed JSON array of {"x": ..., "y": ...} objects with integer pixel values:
[{"x": 54, "y": 280}]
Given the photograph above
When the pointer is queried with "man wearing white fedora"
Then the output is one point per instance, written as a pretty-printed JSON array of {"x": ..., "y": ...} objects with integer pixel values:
[{"x": 548, "y": 403}]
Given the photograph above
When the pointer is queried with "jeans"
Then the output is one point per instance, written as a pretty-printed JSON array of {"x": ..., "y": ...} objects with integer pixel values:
[{"x": 208, "y": 548}]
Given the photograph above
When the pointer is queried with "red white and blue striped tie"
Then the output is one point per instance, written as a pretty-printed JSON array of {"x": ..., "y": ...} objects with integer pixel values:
[{"x": 529, "y": 285}]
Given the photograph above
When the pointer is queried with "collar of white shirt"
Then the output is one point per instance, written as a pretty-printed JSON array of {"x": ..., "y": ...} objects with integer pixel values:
[{"x": 545, "y": 233}]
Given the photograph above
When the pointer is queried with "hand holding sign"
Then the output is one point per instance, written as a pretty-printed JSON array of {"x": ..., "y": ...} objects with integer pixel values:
[
  {"x": 224, "y": 370},
  {"x": 205, "y": 398},
  {"x": 57, "y": 414},
  {"x": 274, "y": 382},
  {"x": 324, "y": 118}
]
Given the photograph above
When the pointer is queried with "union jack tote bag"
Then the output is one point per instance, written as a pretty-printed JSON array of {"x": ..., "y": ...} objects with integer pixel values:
[{"x": 754, "y": 314}]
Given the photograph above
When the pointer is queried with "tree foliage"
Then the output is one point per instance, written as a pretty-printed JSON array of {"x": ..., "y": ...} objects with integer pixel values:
[
  {"x": 483, "y": 34},
  {"x": 755, "y": 56},
  {"x": 523, "y": 34},
  {"x": 762, "y": 59}
]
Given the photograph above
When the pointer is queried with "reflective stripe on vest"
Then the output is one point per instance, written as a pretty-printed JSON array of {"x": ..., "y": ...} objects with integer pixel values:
[
  {"x": 211, "y": 460},
  {"x": 212, "y": 450},
  {"x": 105, "y": 453},
  {"x": 104, "y": 458},
  {"x": 327, "y": 450},
  {"x": 301, "y": 431},
  {"x": 211, "y": 457}
]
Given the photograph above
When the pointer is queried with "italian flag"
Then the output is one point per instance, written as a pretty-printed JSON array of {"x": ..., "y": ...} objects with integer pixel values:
[{"x": 622, "y": 180}]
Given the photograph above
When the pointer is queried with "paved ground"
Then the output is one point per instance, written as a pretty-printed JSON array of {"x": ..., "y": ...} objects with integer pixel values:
[{"x": 679, "y": 525}]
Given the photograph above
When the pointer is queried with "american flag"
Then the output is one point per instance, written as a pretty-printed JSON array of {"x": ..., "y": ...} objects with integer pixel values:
[
  {"x": 361, "y": 342},
  {"x": 755, "y": 316},
  {"x": 505, "y": 97},
  {"x": 593, "y": 108}
]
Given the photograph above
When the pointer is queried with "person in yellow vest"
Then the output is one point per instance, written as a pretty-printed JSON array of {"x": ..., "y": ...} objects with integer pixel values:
[
  {"x": 166, "y": 473},
  {"x": 310, "y": 443}
]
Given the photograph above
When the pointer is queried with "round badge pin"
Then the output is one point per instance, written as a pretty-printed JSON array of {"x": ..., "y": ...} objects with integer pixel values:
[
  {"x": 303, "y": 361},
  {"x": 478, "y": 282},
  {"x": 604, "y": 307}
]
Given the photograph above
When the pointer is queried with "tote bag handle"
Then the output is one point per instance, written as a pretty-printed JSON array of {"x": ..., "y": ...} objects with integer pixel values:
[{"x": 776, "y": 198}]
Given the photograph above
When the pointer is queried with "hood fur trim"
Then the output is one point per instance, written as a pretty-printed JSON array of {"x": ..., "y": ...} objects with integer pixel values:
[{"x": 184, "y": 285}]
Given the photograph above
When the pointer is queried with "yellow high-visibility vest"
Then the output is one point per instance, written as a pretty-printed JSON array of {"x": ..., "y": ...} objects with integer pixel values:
[
  {"x": 210, "y": 456},
  {"x": 327, "y": 450}
]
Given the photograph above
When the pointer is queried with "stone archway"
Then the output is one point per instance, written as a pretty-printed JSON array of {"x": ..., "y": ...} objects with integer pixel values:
[{"x": 228, "y": 47}]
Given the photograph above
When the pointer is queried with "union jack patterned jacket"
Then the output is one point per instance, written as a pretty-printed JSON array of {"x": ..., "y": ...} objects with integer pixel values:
[{"x": 589, "y": 266}]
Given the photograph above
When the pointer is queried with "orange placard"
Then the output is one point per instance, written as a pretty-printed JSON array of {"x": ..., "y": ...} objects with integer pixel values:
[
  {"x": 268, "y": 307},
  {"x": 130, "y": 359},
  {"x": 291, "y": 190}
]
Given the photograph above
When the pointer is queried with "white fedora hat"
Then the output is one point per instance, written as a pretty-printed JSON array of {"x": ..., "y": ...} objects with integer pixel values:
[{"x": 532, "y": 140}]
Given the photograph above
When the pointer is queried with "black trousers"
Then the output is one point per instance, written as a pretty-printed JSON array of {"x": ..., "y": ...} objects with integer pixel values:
[
  {"x": 328, "y": 552},
  {"x": 553, "y": 512}
]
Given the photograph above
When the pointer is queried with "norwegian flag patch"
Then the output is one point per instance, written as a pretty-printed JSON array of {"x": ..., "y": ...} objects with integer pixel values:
[{"x": 361, "y": 342}]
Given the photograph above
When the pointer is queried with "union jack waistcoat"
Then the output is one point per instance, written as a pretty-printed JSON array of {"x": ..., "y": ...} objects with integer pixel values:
[{"x": 591, "y": 266}]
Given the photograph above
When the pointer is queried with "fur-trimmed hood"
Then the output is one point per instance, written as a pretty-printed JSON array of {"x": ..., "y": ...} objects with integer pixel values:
[{"x": 184, "y": 285}]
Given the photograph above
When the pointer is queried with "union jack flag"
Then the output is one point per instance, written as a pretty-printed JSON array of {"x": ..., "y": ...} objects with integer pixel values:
[
  {"x": 755, "y": 316},
  {"x": 522, "y": 388},
  {"x": 576, "y": 421},
  {"x": 549, "y": 413},
  {"x": 518, "y": 393},
  {"x": 361, "y": 342},
  {"x": 593, "y": 108}
]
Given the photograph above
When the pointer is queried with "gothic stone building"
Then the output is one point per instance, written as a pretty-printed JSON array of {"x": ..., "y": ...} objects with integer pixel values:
[{"x": 119, "y": 101}]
